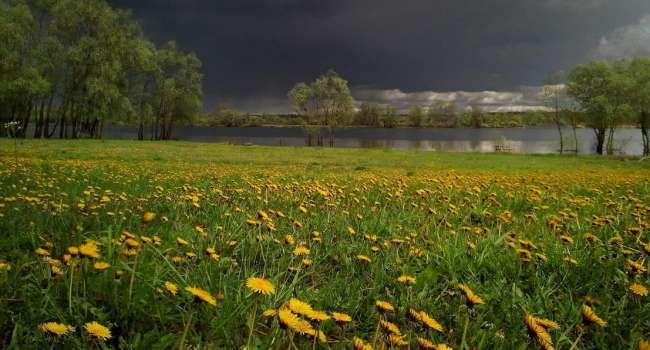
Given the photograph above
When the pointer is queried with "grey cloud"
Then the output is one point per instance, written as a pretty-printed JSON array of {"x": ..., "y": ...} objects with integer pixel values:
[{"x": 628, "y": 41}]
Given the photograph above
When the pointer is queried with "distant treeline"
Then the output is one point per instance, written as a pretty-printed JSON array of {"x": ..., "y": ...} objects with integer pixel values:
[
  {"x": 372, "y": 114},
  {"x": 68, "y": 67}
]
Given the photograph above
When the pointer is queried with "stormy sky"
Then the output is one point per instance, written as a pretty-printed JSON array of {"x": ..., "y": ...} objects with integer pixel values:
[{"x": 493, "y": 53}]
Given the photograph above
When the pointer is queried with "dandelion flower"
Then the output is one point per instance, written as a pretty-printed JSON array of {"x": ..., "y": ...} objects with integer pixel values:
[
  {"x": 384, "y": 305},
  {"x": 89, "y": 249},
  {"x": 341, "y": 317},
  {"x": 260, "y": 285},
  {"x": 316, "y": 315},
  {"x": 171, "y": 288},
  {"x": 397, "y": 340},
  {"x": 58, "y": 329},
  {"x": 101, "y": 265},
  {"x": 301, "y": 250},
  {"x": 148, "y": 217},
  {"x": 299, "y": 307},
  {"x": 589, "y": 315},
  {"x": 644, "y": 345},
  {"x": 202, "y": 295},
  {"x": 359, "y": 344},
  {"x": 426, "y": 343},
  {"x": 98, "y": 331},
  {"x": 406, "y": 279},
  {"x": 638, "y": 289},
  {"x": 391, "y": 327},
  {"x": 430, "y": 322},
  {"x": 288, "y": 318},
  {"x": 363, "y": 258},
  {"x": 540, "y": 333},
  {"x": 471, "y": 296},
  {"x": 270, "y": 312}
]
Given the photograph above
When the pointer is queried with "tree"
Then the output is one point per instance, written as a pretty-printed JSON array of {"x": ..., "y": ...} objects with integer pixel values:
[
  {"x": 225, "y": 115},
  {"x": 81, "y": 63},
  {"x": 442, "y": 113},
  {"x": 416, "y": 116},
  {"x": 326, "y": 101},
  {"x": 369, "y": 114},
  {"x": 475, "y": 116},
  {"x": 389, "y": 117},
  {"x": 554, "y": 92},
  {"x": 638, "y": 72},
  {"x": 600, "y": 89}
]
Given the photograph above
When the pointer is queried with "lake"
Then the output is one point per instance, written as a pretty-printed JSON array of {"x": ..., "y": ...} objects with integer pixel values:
[{"x": 534, "y": 140}]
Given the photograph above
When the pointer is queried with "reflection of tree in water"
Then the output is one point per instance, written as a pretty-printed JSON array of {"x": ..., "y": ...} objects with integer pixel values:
[
  {"x": 415, "y": 144},
  {"x": 375, "y": 143},
  {"x": 475, "y": 145}
]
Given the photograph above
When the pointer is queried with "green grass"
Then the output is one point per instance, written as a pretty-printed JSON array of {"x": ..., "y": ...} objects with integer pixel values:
[{"x": 440, "y": 217}]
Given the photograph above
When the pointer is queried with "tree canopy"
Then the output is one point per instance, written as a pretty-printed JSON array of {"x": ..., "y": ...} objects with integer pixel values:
[{"x": 73, "y": 65}]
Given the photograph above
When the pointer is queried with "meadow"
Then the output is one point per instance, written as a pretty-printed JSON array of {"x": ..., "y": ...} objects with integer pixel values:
[{"x": 174, "y": 245}]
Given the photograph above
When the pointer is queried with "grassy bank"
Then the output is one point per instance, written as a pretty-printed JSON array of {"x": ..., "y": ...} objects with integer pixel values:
[{"x": 115, "y": 231}]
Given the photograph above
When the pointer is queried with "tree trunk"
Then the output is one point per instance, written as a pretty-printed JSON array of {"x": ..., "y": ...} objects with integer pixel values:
[
  {"x": 610, "y": 141},
  {"x": 26, "y": 118},
  {"x": 558, "y": 124},
  {"x": 141, "y": 130},
  {"x": 600, "y": 140}
]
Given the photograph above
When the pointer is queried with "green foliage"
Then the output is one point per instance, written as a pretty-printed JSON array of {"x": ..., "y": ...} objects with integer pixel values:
[
  {"x": 370, "y": 114},
  {"x": 416, "y": 116},
  {"x": 326, "y": 101},
  {"x": 81, "y": 64}
]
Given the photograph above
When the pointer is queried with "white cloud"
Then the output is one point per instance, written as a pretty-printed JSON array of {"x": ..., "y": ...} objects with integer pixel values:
[
  {"x": 628, "y": 41},
  {"x": 526, "y": 98}
]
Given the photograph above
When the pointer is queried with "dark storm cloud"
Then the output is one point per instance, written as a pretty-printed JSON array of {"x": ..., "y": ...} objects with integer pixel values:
[{"x": 255, "y": 50}]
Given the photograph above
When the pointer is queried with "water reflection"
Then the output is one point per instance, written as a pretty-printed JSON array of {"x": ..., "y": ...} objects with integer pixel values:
[{"x": 516, "y": 140}]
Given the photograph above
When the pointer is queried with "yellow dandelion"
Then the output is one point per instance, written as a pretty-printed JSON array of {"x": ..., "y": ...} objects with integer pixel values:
[
  {"x": 58, "y": 329},
  {"x": 546, "y": 323},
  {"x": 471, "y": 296},
  {"x": 316, "y": 315},
  {"x": 430, "y": 322},
  {"x": 148, "y": 217},
  {"x": 638, "y": 289},
  {"x": 363, "y": 258},
  {"x": 101, "y": 265},
  {"x": 540, "y": 333},
  {"x": 270, "y": 312},
  {"x": 301, "y": 250},
  {"x": 260, "y": 285},
  {"x": 202, "y": 295},
  {"x": 397, "y": 340},
  {"x": 359, "y": 344},
  {"x": 391, "y": 327},
  {"x": 426, "y": 343},
  {"x": 341, "y": 317},
  {"x": 406, "y": 279},
  {"x": 589, "y": 315},
  {"x": 98, "y": 331},
  {"x": 299, "y": 307},
  {"x": 89, "y": 249},
  {"x": 644, "y": 345},
  {"x": 443, "y": 347},
  {"x": 42, "y": 252},
  {"x": 384, "y": 305},
  {"x": 288, "y": 318},
  {"x": 171, "y": 288}
]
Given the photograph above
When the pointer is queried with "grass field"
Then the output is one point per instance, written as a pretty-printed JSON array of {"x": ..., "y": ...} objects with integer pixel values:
[{"x": 202, "y": 246}]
